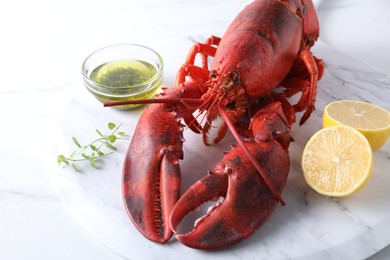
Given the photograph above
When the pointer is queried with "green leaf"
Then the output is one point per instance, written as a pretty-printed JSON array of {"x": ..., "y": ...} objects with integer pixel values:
[
  {"x": 93, "y": 163},
  {"x": 73, "y": 154},
  {"x": 110, "y": 146},
  {"x": 111, "y": 126},
  {"x": 96, "y": 146},
  {"x": 61, "y": 159},
  {"x": 75, "y": 168},
  {"x": 111, "y": 138},
  {"x": 99, "y": 133},
  {"x": 86, "y": 156},
  {"x": 76, "y": 142}
]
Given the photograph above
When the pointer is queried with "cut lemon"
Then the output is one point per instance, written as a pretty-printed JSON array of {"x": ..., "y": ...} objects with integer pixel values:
[
  {"x": 337, "y": 161},
  {"x": 372, "y": 121}
]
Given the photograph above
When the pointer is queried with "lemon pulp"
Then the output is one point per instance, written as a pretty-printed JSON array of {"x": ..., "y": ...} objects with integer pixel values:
[{"x": 337, "y": 161}]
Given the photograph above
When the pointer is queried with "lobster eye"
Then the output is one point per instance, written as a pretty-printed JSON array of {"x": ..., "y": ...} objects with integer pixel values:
[
  {"x": 213, "y": 74},
  {"x": 236, "y": 78},
  {"x": 232, "y": 105}
]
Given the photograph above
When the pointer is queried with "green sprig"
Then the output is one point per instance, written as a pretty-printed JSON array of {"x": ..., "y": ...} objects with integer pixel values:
[{"x": 95, "y": 150}]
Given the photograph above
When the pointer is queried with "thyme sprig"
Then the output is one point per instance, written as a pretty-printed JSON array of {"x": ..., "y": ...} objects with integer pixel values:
[{"x": 95, "y": 150}]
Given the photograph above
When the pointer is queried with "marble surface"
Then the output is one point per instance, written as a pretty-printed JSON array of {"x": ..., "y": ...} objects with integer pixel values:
[
  {"x": 333, "y": 228},
  {"x": 41, "y": 92}
]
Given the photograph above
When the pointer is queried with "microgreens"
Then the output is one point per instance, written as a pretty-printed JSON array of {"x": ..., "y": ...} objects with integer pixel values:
[{"x": 94, "y": 150}]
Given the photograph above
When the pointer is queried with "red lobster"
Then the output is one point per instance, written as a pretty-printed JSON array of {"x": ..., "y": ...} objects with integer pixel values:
[{"x": 263, "y": 58}]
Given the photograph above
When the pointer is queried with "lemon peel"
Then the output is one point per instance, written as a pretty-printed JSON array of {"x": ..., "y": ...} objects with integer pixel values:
[{"x": 371, "y": 120}]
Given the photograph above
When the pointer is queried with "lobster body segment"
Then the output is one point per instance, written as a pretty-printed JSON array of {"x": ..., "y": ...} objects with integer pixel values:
[
  {"x": 262, "y": 60},
  {"x": 260, "y": 31}
]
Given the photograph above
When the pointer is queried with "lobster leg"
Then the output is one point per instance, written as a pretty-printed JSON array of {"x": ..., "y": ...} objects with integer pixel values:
[
  {"x": 311, "y": 65},
  {"x": 205, "y": 50},
  {"x": 212, "y": 40},
  {"x": 305, "y": 81},
  {"x": 248, "y": 202}
]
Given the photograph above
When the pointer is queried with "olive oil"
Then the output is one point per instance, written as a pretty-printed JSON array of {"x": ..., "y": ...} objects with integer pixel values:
[
  {"x": 123, "y": 73},
  {"x": 121, "y": 80}
]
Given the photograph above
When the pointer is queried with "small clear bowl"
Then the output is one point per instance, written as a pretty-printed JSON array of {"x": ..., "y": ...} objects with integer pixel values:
[{"x": 109, "y": 90}]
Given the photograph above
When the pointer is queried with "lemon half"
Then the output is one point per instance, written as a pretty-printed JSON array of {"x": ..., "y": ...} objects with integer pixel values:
[
  {"x": 337, "y": 161},
  {"x": 372, "y": 121}
]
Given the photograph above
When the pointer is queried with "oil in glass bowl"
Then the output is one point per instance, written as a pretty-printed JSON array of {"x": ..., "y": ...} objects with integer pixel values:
[{"x": 123, "y": 72}]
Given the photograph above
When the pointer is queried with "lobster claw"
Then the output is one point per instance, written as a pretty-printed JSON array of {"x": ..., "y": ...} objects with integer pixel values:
[
  {"x": 247, "y": 202},
  {"x": 151, "y": 172}
]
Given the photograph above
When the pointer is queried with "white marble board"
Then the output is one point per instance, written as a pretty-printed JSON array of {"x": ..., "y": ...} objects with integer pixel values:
[{"x": 309, "y": 226}]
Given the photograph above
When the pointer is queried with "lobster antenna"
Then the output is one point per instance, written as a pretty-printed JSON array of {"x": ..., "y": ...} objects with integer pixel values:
[
  {"x": 250, "y": 156},
  {"x": 185, "y": 101}
]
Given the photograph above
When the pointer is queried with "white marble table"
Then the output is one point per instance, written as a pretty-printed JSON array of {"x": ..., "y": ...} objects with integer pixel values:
[{"x": 42, "y": 47}]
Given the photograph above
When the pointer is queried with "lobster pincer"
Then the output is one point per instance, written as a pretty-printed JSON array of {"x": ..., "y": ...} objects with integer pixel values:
[
  {"x": 247, "y": 200},
  {"x": 145, "y": 192},
  {"x": 151, "y": 173}
]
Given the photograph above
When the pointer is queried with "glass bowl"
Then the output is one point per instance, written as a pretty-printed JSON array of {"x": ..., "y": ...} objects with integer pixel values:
[{"x": 123, "y": 72}]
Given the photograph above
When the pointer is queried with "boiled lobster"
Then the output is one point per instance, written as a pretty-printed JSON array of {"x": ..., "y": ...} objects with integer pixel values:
[{"x": 263, "y": 59}]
